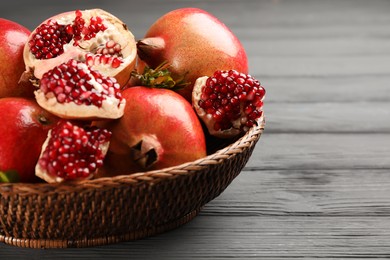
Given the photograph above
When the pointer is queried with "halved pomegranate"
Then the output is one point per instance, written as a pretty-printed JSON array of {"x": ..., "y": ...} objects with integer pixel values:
[
  {"x": 72, "y": 152},
  {"x": 73, "y": 90},
  {"x": 229, "y": 102},
  {"x": 94, "y": 36}
]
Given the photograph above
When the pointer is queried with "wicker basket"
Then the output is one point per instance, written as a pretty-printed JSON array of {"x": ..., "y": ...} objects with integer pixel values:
[{"x": 121, "y": 208}]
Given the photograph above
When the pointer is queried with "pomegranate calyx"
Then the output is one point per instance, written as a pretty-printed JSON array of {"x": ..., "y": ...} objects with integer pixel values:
[
  {"x": 160, "y": 77},
  {"x": 28, "y": 77},
  {"x": 143, "y": 155},
  {"x": 43, "y": 120},
  {"x": 146, "y": 152}
]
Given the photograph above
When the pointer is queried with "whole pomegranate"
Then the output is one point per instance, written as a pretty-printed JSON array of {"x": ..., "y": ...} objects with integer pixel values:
[
  {"x": 13, "y": 37},
  {"x": 93, "y": 36},
  {"x": 195, "y": 43},
  {"x": 159, "y": 129},
  {"x": 23, "y": 130}
]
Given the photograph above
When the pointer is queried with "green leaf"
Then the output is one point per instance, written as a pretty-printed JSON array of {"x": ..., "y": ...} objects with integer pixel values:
[{"x": 9, "y": 176}]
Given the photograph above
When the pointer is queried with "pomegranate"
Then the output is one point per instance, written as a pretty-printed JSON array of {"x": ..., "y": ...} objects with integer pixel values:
[
  {"x": 92, "y": 36},
  {"x": 159, "y": 129},
  {"x": 74, "y": 90},
  {"x": 228, "y": 102},
  {"x": 72, "y": 152},
  {"x": 13, "y": 37},
  {"x": 23, "y": 130},
  {"x": 195, "y": 43}
]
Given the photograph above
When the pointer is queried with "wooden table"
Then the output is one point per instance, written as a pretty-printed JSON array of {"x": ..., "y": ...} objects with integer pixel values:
[{"x": 318, "y": 183}]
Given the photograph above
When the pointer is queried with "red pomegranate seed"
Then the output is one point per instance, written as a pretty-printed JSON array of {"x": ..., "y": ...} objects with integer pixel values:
[{"x": 116, "y": 62}]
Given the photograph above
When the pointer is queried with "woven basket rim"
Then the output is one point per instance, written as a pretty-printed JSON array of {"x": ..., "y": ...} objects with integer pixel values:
[{"x": 248, "y": 139}]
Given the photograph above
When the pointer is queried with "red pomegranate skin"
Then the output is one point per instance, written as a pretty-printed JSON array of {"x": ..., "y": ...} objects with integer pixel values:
[
  {"x": 23, "y": 130},
  {"x": 162, "y": 120},
  {"x": 13, "y": 37},
  {"x": 195, "y": 43}
]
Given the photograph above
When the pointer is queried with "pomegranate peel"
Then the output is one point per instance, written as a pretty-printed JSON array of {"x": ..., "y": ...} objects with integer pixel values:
[
  {"x": 23, "y": 130},
  {"x": 93, "y": 36},
  {"x": 13, "y": 38}
]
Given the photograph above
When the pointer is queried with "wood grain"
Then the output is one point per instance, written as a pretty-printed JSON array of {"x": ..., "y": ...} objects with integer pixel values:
[
  {"x": 318, "y": 182},
  {"x": 321, "y": 151}
]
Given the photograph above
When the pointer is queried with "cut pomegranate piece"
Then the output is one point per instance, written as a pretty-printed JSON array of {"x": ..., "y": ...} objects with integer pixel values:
[
  {"x": 72, "y": 152},
  {"x": 94, "y": 36},
  {"x": 73, "y": 90},
  {"x": 229, "y": 102}
]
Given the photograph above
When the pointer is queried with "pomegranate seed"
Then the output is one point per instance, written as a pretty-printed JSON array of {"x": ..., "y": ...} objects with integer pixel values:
[
  {"x": 242, "y": 96},
  {"x": 116, "y": 63},
  {"x": 213, "y": 96},
  {"x": 234, "y": 101},
  {"x": 208, "y": 103},
  {"x": 253, "y": 115},
  {"x": 218, "y": 115}
]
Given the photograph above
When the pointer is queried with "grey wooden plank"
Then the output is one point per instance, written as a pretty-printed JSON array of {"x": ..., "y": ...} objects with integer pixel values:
[
  {"x": 245, "y": 238},
  {"x": 343, "y": 89},
  {"x": 321, "y": 151},
  {"x": 326, "y": 193},
  {"x": 328, "y": 117},
  {"x": 287, "y": 66}
]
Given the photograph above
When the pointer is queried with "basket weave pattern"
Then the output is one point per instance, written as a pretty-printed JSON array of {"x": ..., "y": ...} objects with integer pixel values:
[{"x": 120, "y": 208}]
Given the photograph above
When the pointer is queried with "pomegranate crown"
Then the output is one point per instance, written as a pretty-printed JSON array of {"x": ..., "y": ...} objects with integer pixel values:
[{"x": 160, "y": 77}]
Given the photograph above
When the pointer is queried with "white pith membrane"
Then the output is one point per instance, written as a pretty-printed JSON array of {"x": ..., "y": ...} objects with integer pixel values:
[
  {"x": 208, "y": 120},
  {"x": 115, "y": 31},
  {"x": 43, "y": 172},
  {"x": 111, "y": 108}
]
